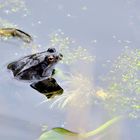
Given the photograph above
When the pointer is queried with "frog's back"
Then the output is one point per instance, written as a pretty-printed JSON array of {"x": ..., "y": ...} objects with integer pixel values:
[
  {"x": 35, "y": 66},
  {"x": 25, "y": 63}
]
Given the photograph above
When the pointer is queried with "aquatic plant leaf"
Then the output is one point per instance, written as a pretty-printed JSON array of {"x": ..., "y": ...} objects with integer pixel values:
[
  {"x": 65, "y": 131},
  {"x": 102, "y": 128},
  {"x": 51, "y": 135},
  {"x": 59, "y": 133}
]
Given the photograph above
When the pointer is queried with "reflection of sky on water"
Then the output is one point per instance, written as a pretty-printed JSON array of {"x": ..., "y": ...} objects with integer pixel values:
[{"x": 105, "y": 28}]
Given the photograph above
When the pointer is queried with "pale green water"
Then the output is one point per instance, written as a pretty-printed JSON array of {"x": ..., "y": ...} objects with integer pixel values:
[{"x": 104, "y": 30}]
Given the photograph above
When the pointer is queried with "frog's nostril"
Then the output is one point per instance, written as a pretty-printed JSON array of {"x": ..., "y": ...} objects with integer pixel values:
[
  {"x": 61, "y": 55},
  {"x": 51, "y": 50}
]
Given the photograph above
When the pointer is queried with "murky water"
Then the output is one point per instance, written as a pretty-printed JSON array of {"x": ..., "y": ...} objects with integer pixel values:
[{"x": 97, "y": 39}]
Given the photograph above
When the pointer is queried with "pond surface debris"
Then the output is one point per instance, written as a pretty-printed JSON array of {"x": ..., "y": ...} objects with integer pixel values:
[{"x": 12, "y": 32}]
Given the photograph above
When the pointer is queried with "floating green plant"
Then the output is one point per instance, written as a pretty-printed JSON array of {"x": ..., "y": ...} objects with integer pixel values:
[
  {"x": 59, "y": 133},
  {"x": 69, "y": 47},
  {"x": 12, "y": 6},
  {"x": 7, "y": 24},
  {"x": 123, "y": 84}
]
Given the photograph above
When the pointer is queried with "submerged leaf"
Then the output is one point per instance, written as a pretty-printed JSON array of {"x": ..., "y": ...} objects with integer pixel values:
[
  {"x": 102, "y": 128},
  {"x": 65, "y": 131},
  {"x": 51, "y": 135},
  {"x": 59, "y": 133}
]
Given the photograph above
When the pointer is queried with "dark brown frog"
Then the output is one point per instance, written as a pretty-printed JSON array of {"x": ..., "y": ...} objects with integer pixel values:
[{"x": 39, "y": 68}]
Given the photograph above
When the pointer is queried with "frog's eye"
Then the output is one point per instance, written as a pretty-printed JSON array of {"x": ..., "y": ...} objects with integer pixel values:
[{"x": 50, "y": 58}]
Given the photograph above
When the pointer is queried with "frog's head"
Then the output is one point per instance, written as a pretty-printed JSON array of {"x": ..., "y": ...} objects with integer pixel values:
[{"x": 53, "y": 56}]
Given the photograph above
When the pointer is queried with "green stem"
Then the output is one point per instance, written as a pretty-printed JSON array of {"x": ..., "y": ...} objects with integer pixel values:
[{"x": 101, "y": 128}]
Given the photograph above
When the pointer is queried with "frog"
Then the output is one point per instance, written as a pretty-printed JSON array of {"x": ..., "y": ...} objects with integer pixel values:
[
  {"x": 39, "y": 69},
  {"x": 36, "y": 66}
]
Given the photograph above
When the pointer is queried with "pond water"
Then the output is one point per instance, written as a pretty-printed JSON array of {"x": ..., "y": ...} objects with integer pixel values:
[{"x": 100, "y": 72}]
